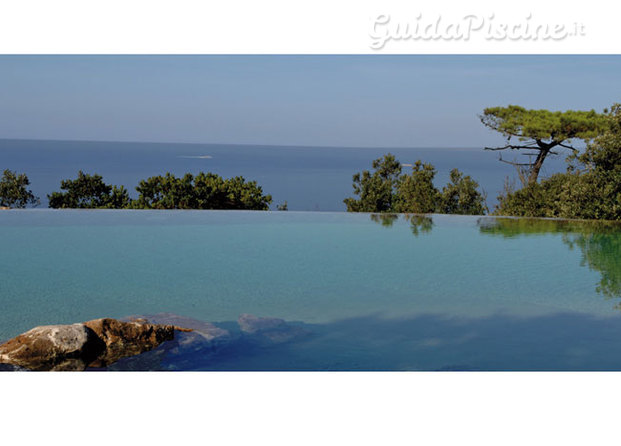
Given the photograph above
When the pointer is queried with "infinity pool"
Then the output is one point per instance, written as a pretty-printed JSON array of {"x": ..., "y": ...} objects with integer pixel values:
[{"x": 371, "y": 292}]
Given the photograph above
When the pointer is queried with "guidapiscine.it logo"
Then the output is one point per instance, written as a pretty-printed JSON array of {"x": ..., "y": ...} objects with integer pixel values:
[{"x": 385, "y": 29}]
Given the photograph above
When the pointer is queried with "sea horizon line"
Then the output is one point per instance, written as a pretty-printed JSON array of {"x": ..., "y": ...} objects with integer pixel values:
[{"x": 300, "y": 146}]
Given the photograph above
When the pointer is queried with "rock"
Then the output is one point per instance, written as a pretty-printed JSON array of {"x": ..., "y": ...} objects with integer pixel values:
[
  {"x": 4, "y": 208},
  {"x": 42, "y": 348},
  {"x": 124, "y": 339},
  {"x": 204, "y": 339},
  {"x": 207, "y": 330},
  {"x": 269, "y": 328},
  {"x": 114, "y": 333},
  {"x": 154, "y": 342},
  {"x": 95, "y": 343},
  {"x": 200, "y": 346}
]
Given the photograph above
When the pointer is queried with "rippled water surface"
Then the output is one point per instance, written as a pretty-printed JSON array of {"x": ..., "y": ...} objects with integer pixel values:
[{"x": 370, "y": 292}]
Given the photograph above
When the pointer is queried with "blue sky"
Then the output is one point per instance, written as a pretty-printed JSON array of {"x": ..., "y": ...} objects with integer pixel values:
[{"x": 379, "y": 101}]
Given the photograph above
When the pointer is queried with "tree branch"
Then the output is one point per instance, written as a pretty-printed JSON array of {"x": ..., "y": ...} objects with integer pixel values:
[
  {"x": 535, "y": 154},
  {"x": 567, "y": 147},
  {"x": 514, "y": 146},
  {"x": 513, "y": 163}
]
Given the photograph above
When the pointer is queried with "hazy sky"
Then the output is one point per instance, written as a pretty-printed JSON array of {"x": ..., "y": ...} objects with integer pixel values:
[{"x": 382, "y": 101}]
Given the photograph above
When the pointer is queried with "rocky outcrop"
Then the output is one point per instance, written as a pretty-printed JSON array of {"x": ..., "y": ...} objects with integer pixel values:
[
  {"x": 206, "y": 330},
  {"x": 203, "y": 344},
  {"x": 151, "y": 342},
  {"x": 122, "y": 339},
  {"x": 209, "y": 346},
  {"x": 50, "y": 347},
  {"x": 95, "y": 343}
]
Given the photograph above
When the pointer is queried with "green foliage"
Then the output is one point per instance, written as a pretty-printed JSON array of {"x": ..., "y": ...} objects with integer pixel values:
[
  {"x": 461, "y": 196},
  {"x": 119, "y": 198},
  {"x": 419, "y": 224},
  {"x": 205, "y": 191},
  {"x": 14, "y": 192},
  {"x": 599, "y": 242},
  {"x": 534, "y": 200},
  {"x": 509, "y": 227},
  {"x": 540, "y": 132},
  {"x": 600, "y": 252},
  {"x": 416, "y": 192},
  {"x": 516, "y": 121},
  {"x": 243, "y": 195},
  {"x": 563, "y": 195},
  {"x": 604, "y": 154},
  {"x": 283, "y": 207},
  {"x": 386, "y": 220},
  {"x": 89, "y": 192},
  {"x": 166, "y": 192},
  {"x": 377, "y": 189},
  {"x": 387, "y": 190},
  {"x": 590, "y": 189}
]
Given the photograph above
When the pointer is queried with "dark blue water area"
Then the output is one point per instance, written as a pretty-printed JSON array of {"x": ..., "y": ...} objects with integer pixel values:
[
  {"x": 308, "y": 178},
  {"x": 426, "y": 342}
]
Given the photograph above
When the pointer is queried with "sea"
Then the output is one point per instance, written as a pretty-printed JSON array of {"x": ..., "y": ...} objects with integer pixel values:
[{"x": 306, "y": 178}]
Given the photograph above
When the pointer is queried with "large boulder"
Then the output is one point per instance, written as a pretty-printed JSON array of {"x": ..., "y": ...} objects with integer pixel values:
[
  {"x": 187, "y": 351},
  {"x": 95, "y": 343},
  {"x": 122, "y": 339},
  {"x": 51, "y": 346}
]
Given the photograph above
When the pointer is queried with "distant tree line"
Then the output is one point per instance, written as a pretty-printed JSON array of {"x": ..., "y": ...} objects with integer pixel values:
[
  {"x": 203, "y": 191},
  {"x": 387, "y": 189},
  {"x": 14, "y": 192},
  {"x": 590, "y": 188}
]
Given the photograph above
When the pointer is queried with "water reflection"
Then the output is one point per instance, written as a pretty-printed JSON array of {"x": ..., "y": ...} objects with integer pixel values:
[
  {"x": 562, "y": 341},
  {"x": 419, "y": 224},
  {"x": 599, "y": 242}
]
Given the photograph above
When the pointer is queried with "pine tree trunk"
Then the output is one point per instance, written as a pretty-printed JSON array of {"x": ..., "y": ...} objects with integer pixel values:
[{"x": 534, "y": 172}]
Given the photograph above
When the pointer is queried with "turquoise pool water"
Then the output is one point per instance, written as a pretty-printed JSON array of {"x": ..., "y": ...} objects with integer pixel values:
[{"x": 390, "y": 293}]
